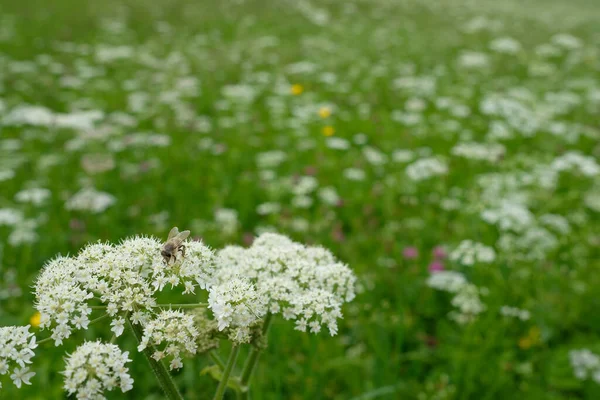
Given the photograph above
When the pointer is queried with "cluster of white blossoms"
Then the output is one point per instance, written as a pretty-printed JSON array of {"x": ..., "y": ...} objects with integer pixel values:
[
  {"x": 90, "y": 199},
  {"x": 467, "y": 297},
  {"x": 16, "y": 351},
  {"x": 470, "y": 253},
  {"x": 96, "y": 367},
  {"x": 125, "y": 277},
  {"x": 245, "y": 285},
  {"x": 426, "y": 168},
  {"x": 585, "y": 364},
  {"x": 171, "y": 333},
  {"x": 491, "y": 152},
  {"x": 276, "y": 275},
  {"x": 515, "y": 312}
]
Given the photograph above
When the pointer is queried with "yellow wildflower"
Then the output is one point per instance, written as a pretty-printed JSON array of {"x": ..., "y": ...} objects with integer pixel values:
[
  {"x": 35, "y": 319},
  {"x": 328, "y": 130},
  {"x": 533, "y": 338},
  {"x": 324, "y": 112},
  {"x": 297, "y": 89}
]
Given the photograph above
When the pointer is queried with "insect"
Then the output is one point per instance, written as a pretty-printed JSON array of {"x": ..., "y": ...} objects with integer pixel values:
[{"x": 173, "y": 245}]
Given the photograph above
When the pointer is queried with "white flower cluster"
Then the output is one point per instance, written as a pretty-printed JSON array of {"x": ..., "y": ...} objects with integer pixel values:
[
  {"x": 123, "y": 276},
  {"x": 509, "y": 216},
  {"x": 277, "y": 275},
  {"x": 532, "y": 245},
  {"x": 176, "y": 330},
  {"x": 585, "y": 364},
  {"x": 466, "y": 295},
  {"x": 449, "y": 281},
  {"x": 16, "y": 348},
  {"x": 426, "y": 168},
  {"x": 470, "y": 253},
  {"x": 574, "y": 161},
  {"x": 515, "y": 312},
  {"x": 96, "y": 367},
  {"x": 468, "y": 303},
  {"x": 195, "y": 269},
  {"x": 492, "y": 152},
  {"x": 61, "y": 298},
  {"x": 90, "y": 199}
]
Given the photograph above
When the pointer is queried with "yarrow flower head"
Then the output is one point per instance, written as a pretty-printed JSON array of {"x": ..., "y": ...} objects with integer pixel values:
[
  {"x": 16, "y": 350},
  {"x": 96, "y": 367},
  {"x": 171, "y": 333}
]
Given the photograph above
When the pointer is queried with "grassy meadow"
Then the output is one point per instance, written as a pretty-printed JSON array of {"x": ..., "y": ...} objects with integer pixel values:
[{"x": 447, "y": 151}]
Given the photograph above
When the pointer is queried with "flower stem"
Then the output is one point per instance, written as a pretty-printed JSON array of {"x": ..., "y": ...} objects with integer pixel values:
[
  {"x": 196, "y": 305},
  {"x": 226, "y": 372},
  {"x": 253, "y": 357},
  {"x": 215, "y": 357},
  {"x": 160, "y": 371}
]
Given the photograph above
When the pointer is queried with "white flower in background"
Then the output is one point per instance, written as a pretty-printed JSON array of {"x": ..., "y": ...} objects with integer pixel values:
[
  {"x": 506, "y": 45},
  {"x": 172, "y": 334},
  {"x": 426, "y": 168},
  {"x": 532, "y": 244},
  {"x": 449, "y": 281},
  {"x": 16, "y": 351},
  {"x": 305, "y": 185},
  {"x": 270, "y": 159},
  {"x": 556, "y": 222},
  {"x": 567, "y": 41},
  {"x": 227, "y": 220},
  {"x": 96, "y": 367},
  {"x": 35, "y": 196},
  {"x": 470, "y": 253},
  {"x": 515, "y": 312},
  {"x": 337, "y": 143},
  {"x": 268, "y": 208},
  {"x": 491, "y": 152},
  {"x": 585, "y": 364},
  {"x": 355, "y": 174},
  {"x": 572, "y": 160},
  {"x": 90, "y": 199},
  {"x": 24, "y": 233},
  {"x": 10, "y": 216},
  {"x": 329, "y": 195},
  {"x": 473, "y": 60},
  {"x": 6, "y": 174},
  {"x": 509, "y": 216},
  {"x": 468, "y": 303},
  {"x": 402, "y": 156},
  {"x": 374, "y": 156}
]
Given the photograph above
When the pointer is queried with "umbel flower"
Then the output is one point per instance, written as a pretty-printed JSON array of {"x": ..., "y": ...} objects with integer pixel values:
[
  {"x": 95, "y": 367},
  {"x": 246, "y": 287},
  {"x": 305, "y": 284},
  {"x": 16, "y": 351}
]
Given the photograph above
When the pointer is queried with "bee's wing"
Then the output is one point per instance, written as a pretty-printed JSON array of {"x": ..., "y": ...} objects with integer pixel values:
[
  {"x": 181, "y": 236},
  {"x": 174, "y": 232}
]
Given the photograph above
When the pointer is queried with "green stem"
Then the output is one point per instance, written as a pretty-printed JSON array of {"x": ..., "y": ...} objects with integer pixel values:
[
  {"x": 215, "y": 357},
  {"x": 196, "y": 305},
  {"x": 160, "y": 371},
  {"x": 226, "y": 372},
  {"x": 253, "y": 357}
]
